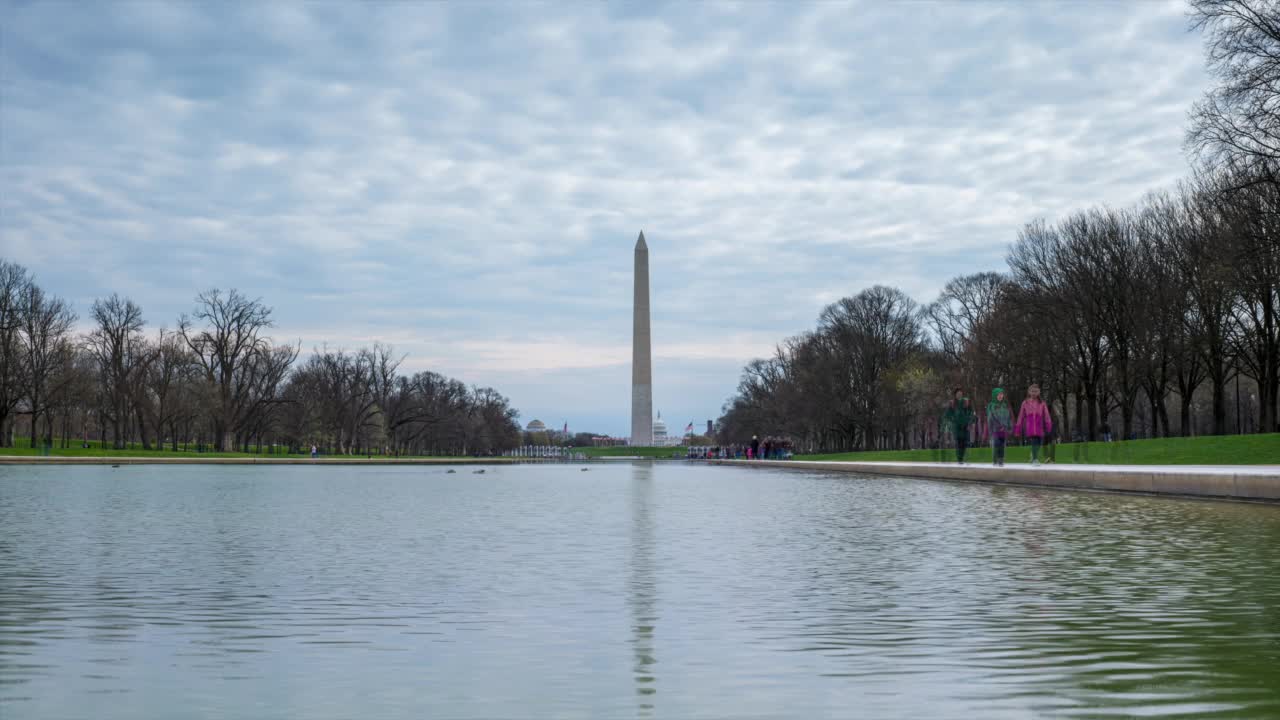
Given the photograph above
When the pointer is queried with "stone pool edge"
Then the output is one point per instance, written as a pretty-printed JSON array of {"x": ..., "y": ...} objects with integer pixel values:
[
  {"x": 131, "y": 460},
  {"x": 1249, "y": 483}
]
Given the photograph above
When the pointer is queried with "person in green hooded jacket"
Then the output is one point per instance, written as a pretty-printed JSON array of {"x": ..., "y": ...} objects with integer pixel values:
[
  {"x": 999, "y": 425},
  {"x": 957, "y": 419}
]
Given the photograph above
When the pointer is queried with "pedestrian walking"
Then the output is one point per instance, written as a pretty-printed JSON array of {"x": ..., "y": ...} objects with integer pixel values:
[
  {"x": 957, "y": 419},
  {"x": 754, "y": 452},
  {"x": 1034, "y": 422},
  {"x": 999, "y": 425}
]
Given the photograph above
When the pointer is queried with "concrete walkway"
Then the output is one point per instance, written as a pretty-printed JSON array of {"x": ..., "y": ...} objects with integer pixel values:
[{"x": 1235, "y": 482}]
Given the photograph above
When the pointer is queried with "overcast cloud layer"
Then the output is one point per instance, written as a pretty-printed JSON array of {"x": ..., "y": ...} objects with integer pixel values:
[{"x": 465, "y": 181}]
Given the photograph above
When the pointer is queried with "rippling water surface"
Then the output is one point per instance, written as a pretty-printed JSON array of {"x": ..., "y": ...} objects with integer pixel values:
[{"x": 626, "y": 591}]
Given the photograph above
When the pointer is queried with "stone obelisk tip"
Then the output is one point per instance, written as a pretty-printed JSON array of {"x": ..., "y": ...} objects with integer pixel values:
[{"x": 640, "y": 244}]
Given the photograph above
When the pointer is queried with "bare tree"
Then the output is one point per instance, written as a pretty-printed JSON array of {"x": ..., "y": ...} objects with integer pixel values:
[
  {"x": 1237, "y": 123},
  {"x": 229, "y": 342},
  {"x": 265, "y": 376},
  {"x": 1252, "y": 217},
  {"x": 1235, "y": 128},
  {"x": 876, "y": 331},
  {"x": 352, "y": 402},
  {"x": 344, "y": 389},
  {"x": 166, "y": 396},
  {"x": 1062, "y": 291},
  {"x": 1159, "y": 335},
  {"x": 1115, "y": 249},
  {"x": 46, "y": 323},
  {"x": 1207, "y": 274},
  {"x": 72, "y": 394},
  {"x": 965, "y": 304},
  {"x": 218, "y": 371},
  {"x": 405, "y": 412},
  {"x": 117, "y": 346},
  {"x": 492, "y": 422},
  {"x": 14, "y": 281}
]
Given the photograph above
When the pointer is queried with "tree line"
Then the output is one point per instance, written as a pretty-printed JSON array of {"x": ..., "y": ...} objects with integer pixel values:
[
  {"x": 218, "y": 380},
  {"x": 1141, "y": 318}
]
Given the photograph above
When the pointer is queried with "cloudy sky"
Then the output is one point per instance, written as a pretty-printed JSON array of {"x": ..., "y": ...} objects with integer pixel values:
[{"x": 465, "y": 181}]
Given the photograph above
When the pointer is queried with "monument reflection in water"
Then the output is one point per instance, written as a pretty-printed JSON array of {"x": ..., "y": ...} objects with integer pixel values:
[{"x": 642, "y": 586}]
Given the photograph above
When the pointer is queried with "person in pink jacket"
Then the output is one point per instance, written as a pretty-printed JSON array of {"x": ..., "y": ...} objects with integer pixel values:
[{"x": 1034, "y": 422}]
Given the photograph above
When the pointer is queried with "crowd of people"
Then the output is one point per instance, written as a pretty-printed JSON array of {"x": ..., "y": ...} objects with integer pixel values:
[{"x": 770, "y": 448}]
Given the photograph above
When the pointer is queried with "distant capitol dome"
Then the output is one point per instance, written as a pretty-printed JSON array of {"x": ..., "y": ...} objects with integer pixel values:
[
  {"x": 659, "y": 432},
  {"x": 537, "y": 426}
]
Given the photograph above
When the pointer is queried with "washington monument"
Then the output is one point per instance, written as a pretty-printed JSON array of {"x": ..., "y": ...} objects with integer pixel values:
[{"x": 641, "y": 359}]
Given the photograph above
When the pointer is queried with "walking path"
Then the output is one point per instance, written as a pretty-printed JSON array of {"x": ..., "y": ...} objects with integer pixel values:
[{"x": 1236, "y": 482}]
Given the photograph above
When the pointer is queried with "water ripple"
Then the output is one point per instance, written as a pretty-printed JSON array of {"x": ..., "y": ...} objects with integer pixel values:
[{"x": 631, "y": 591}]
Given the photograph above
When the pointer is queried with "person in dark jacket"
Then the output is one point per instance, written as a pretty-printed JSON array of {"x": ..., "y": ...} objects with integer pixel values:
[
  {"x": 755, "y": 447},
  {"x": 957, "y": 419}
]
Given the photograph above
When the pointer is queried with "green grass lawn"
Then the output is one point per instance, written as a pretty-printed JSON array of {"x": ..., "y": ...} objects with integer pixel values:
[
  {"x": 627, "y": 451},
  {"x": 97, "y": 449},
  {"x": 1219, "y": 450}
]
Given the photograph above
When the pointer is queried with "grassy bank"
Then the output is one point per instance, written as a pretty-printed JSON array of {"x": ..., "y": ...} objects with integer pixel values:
[
  {"x": 97, "y": 449},
  {"x": 1223, "y": 450}
]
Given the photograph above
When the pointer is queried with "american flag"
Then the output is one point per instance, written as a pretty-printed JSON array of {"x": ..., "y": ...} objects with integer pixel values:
[{"x": 689, "y": 427}]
